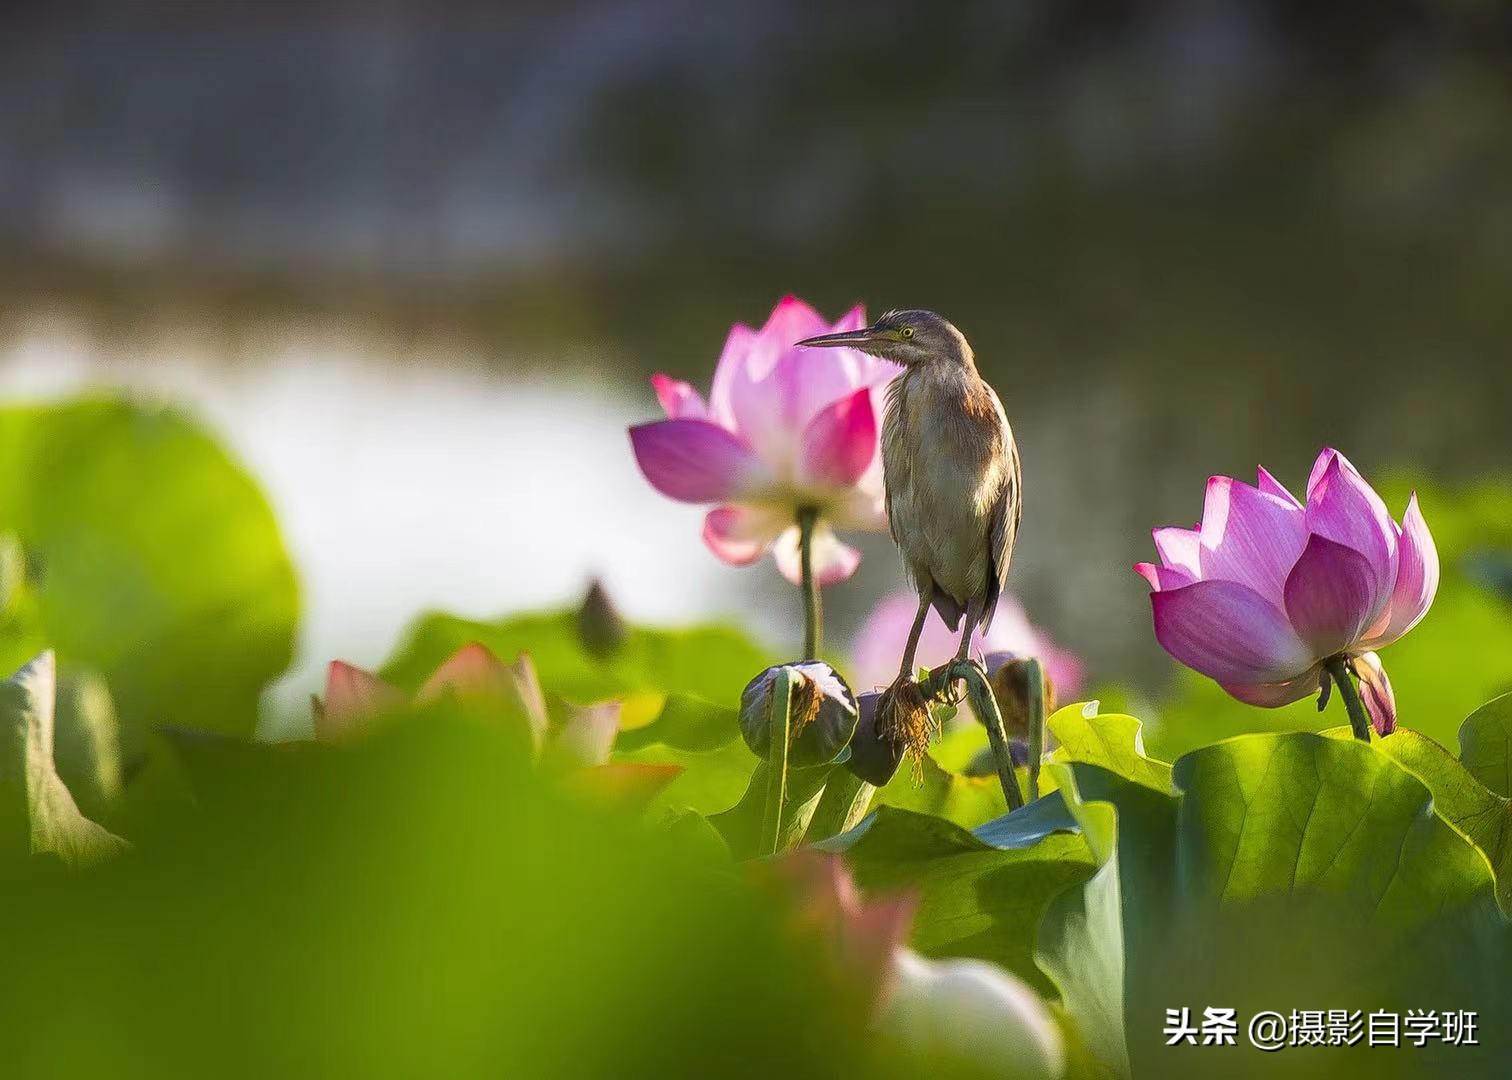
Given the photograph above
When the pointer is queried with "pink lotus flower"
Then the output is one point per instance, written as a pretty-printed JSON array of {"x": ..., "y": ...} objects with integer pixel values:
[
  {"x": 951, "y": 1017},
  {"x": 879, "y": 644},
  {"x": 578, "y": 747},
  {"x": 1265, "y": 591},
  {"x": 355, "y": 698},
  {"x": 853, "y": 937},
  {"x": 783, "y": 429}
]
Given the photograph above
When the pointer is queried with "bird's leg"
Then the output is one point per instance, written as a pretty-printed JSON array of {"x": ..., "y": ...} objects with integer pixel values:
[
  {"x": 906, "y": 671},
  {"x": 902, "y": 712},
  {"x": 965, "y": 637},
  {"x": 973, "y": 617}
]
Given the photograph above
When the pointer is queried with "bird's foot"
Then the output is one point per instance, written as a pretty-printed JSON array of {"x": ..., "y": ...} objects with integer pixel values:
[
  {"x": 947, "y": 680},
  {"x": 903, "y": 717}
]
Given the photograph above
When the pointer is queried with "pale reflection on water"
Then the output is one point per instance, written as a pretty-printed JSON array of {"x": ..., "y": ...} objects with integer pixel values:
[{"x": 420, "y": 482}]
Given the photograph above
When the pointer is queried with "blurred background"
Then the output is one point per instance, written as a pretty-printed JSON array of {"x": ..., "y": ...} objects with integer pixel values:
[{"x": 414, "y": 262}]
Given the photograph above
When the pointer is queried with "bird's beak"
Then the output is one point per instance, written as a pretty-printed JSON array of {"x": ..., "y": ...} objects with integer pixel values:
[{"x": 853, "y": 339}]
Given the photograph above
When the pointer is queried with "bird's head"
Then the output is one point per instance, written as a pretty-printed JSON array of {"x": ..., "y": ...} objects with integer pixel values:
[{"x": 908, "y": 337}]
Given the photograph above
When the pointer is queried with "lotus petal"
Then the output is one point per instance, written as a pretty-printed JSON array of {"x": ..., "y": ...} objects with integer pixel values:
[
  {"x": 833, "y": 560},
  {"x": 1416, "y": 583},
  {"x": 1163, "y": 577},
  {"x": 1275, "y": 695},
  {"x": 1179, "y": 549},
  {"x": 695, "y": 461},
  {"x": 352, "y": 696},
  {"x": 840, "y": 442},
  {"x": 473, "y": 670},
  {"x": 1344, "y": 508},
  {"x": 1249, "y": 536},
  {"x": 679, "y": 400},
  {"x": 1330, "y": 596},
  {"x": 1271, "y": 486},
  {"x": 741, "y": 534},
  {"x": 1228, "y": 632}
]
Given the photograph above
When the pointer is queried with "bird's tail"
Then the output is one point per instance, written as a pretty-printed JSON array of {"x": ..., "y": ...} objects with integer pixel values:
[{"x": 950, "y": 611}]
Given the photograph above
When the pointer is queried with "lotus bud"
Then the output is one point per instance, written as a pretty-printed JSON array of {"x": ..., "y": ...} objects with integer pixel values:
[
  {"x": 1375, "y": 689},
  {"x": 823, "y": 713},
  {"x": 1008, "y": 675},
  {"x": 969, "y": 1018},
  {"x": 353, "y": 698},
  {"x": 472, "y": 677},
  {"x": 600, "y": 626},
  {"x": 875, "y": 757}
]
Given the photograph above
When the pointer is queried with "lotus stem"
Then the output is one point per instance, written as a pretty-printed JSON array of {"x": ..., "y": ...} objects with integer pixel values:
[
  {"x": 986, "y": 708},
  {"x": 777, "y": 762},
  {"x": 813, "y": 613},
  {"x": 845, "y": 801},
  {"x": 1036, "y": 679},
  {"x": 1359, "y": 720}
]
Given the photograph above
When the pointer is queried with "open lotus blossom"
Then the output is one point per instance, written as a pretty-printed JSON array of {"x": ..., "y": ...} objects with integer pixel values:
[
  {"x": 1267, "y": 593},
  {"x": 783, "y": 430},
  {"x": 874, "y": 656}
]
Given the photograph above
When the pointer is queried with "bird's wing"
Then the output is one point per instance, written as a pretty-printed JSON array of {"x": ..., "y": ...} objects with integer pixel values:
[
  {"x": 892, "y": 448},
  {"x": 1004, "y": 524}
]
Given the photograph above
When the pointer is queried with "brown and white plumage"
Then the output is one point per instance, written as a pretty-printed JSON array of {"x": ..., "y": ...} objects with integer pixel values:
[
  {"x": 953, "y": 487},
  {"x": 951, "y": 467}
]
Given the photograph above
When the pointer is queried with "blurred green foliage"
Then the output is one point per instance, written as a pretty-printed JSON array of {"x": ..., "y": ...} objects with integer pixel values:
[
  {"x": 420, "y": 904},
  {"x": 977, "y": 897},
  {"x": 711, "y": 663},
  {"x": 424, "y": 899},
  {"x": 151, "y": 557},
  {"x": 38, "y": 815}
]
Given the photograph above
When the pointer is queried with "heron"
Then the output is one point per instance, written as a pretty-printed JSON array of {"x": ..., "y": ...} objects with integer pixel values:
[{"x": 951, "y": 471}]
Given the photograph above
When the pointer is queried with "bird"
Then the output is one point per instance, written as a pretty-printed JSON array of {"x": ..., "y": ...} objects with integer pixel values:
[{"x": 951, "y": 471}]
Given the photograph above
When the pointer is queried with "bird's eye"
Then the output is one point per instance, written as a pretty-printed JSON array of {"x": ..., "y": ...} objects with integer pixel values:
[{"x": 906, "y": 332}]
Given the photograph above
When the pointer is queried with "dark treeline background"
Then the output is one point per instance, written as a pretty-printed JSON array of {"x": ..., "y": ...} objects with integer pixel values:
[{"x": 1184, "y": 237}]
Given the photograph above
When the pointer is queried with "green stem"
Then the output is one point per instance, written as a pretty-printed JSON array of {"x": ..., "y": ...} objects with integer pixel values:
[
  {"x": 778, "y": 724},
  {"x": 1036, "y": 723},
  {"x": 986, "y": 709},
  {"x": 845, "y": 801},
  {"x": 1359, "y": 719},
  {"x": 813, "y": 615}
]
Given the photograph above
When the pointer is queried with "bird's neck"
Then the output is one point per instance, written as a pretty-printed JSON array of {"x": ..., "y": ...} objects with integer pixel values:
[
  {"x": 939, "y": 377},
  {"x": 944, "y": 368}
]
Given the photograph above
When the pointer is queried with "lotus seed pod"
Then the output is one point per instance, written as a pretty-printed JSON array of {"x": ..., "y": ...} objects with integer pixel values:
[
  {"x": 875, "y": 757},
  {"x": 1008, "y": 675},
  {"x": 822, "y": 713}
]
